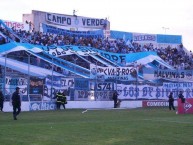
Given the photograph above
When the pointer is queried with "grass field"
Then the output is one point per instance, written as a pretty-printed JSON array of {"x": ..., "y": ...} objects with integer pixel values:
[{"x": 149, "y": 126}]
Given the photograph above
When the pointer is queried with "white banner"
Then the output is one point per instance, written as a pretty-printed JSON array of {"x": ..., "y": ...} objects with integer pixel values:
[
  {"x": 143, "y": 92},
  {"x": 116, "y": 73},
  {"x": 75, "y": 21},
  {"x": 172, "y": 75},
  {"x": 17, "y": 25},
  {"x": 150, "y": 92},
  {"x": 69, "y": 50}
]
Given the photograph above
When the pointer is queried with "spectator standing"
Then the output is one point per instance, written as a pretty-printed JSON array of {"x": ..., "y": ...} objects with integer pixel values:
[
  {"x": 115, "y": 97},
  {"x": 181, "y": 96},
  {"x": 16, "y": 102},
  {"x": 171, "y": 101}
]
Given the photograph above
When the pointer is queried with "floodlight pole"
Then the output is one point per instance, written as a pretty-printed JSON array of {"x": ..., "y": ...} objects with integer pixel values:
[
  {"x": 5, "y": 71},
  {"x": 52, "y": 77},
  {"x": 165, "y": 29},
  {"x": 28, "y": 80},
  {"x": 136, "y": 67},
  {"x": 96, "y": 78}
]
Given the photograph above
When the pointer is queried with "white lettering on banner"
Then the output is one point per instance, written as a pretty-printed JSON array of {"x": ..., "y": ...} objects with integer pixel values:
[
  {"x": 67, "y": 82},
  {"x": 68, "y": 50},
  {"x": 144, "y": 37},
  {"x": 157, "y": 103},
  {"x": 178, "y": 85},
  {"x": 42, "y": 106},
  {"x": 187, "y": 106},
  {"x": 73, "y": 21}
]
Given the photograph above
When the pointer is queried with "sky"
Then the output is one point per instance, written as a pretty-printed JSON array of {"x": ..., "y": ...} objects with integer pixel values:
[{"x": 141, "y": 16}]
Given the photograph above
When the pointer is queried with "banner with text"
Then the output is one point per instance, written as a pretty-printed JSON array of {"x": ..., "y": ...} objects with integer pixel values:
[
  {"x": 141, "y": 37},
  {"x": 172, "y": 75},
  {"x": 149, "y": 92},
  {"x": 59, "y": 31},
  {"x": 17, "y": 25},
  {"x": 113, "y": 73},
  {"x": 75, "y": 21},
  {"x": 54, "y": 85}
]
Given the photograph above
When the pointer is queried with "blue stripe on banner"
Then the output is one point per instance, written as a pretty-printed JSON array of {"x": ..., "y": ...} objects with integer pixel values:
[
  {"x": 55, "y": 30},
  {"x": 173, "y": 39}
]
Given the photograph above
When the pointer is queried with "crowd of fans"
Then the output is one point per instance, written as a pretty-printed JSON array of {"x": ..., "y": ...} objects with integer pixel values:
[{"x": 177, "y": 56}]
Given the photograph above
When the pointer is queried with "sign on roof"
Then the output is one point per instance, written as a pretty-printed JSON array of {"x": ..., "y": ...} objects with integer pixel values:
[
  {"x": 16, "y": 25},
  {"x": 75, "y": 21}
]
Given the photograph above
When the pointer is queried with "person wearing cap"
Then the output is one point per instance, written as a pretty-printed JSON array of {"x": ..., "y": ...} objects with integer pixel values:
[{"x": 16, "y": 102}]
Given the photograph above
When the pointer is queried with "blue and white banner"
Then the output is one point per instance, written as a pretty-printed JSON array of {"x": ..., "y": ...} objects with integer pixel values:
[
  {"x": 81, "y": 84},
  {"x": 75, "y": 21},
  {"x": 142, "y": 57},
  {"x": 37, "y": 106},
  {"x": 52, "y": 86},
  {"x": 149, "y": 92},
  {"x": 59, "y": 31},
  {"x": 12, "y": 82},
  {"x": 185, "y": 85},
  {"x": 136, "y": 92},
  {"x": 58, "y": 51}
]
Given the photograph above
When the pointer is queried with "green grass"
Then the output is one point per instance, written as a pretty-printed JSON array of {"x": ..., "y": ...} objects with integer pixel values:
[{"x": 143, "y": 126}]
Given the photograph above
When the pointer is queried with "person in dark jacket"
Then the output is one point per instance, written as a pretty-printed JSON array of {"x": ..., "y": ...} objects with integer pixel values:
[
  {"x": 1, "y": 101},
  {"x": 58, "y": 98},
  {"x": 16, "y": 102},
  {"x": 115, "y": 99},
  {"x": 181, "y": 96},
  {"x": 171, "y": 101}
]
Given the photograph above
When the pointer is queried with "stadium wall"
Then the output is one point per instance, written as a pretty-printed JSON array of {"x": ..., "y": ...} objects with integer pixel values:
[
  {"x": 146, "y": 38},
  {"x": 37, "y": 106}
]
